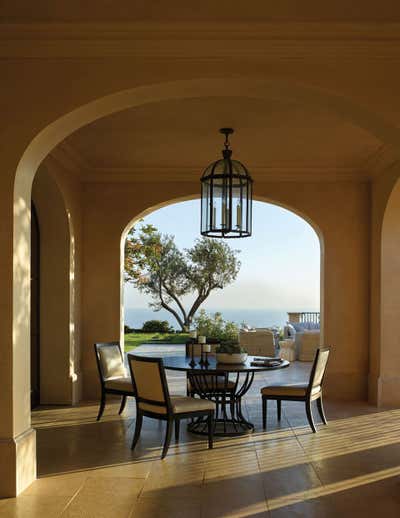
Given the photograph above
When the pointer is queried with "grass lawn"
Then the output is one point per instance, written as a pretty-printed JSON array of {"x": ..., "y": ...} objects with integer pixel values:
[{"x": 133, "y": 340}]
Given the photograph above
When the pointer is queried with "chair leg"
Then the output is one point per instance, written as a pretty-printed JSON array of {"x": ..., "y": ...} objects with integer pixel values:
[
  {"x": 138, "y": 427},
  {"x": 123, "y": 403},
  {"x": 309, "y": 416},
  {"x": 102, "y": 405},
  {"x": 264, "y": 412},
  {"x": 177, "y": 426},
  {"x": 279, "y": 408},
  {"x": 210, "y": 430},
  {"x": 321, "y": 411},
  {"x": 167, "y": 438}
]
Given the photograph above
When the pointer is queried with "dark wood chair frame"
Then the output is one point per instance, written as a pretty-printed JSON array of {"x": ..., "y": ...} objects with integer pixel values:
[
  {"x": 104, "y": 389},
  {"x": 306, "y": 398},
  {"x": 170, "y": 417}
]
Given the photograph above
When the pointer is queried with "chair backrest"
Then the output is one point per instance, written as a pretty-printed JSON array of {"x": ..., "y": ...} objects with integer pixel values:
[
  {"x": 318, "y": 368},
  {"x": 150, "y": 384},
  {"x": 110, "y": 361}
]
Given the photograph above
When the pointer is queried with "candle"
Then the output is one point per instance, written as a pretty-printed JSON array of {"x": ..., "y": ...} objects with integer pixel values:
[
  {"x": 201, "y": 339},
  {"x": 207, "y": 348},
  {"x": 193, "y": 334},
  {"x": 223, "y": 213},
  {"x": 239, "y": 216}
]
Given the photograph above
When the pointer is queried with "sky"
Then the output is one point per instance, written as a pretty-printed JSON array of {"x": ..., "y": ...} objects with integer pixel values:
[{"x": 280, "y": 261}]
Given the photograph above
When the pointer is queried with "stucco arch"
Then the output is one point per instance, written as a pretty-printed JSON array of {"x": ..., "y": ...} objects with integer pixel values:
[
  {"x": 56, "y": 290},
  {"x": 389, "y": 354},
  {"x": 180, "y": 199}
]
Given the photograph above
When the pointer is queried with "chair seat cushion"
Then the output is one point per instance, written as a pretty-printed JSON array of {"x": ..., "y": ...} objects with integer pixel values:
[
  {"x": 123, "y": 384},
  {"x": 210, "y": 384},
  {"x": 182, "y": 404},
  {"x": 289, "y": 390}
]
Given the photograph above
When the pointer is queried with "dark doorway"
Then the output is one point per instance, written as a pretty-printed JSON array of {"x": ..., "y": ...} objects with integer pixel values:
[{"x": 35, "y": 309}]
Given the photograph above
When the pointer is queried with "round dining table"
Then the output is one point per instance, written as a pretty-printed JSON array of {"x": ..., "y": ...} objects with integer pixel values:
[{"x": 225, "y": 384}]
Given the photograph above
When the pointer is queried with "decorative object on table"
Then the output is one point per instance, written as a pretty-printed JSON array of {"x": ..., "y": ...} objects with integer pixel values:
[
  {"x": 202, "y": 340},
  {"x": 206, "y": 350},
  {"x": 226, "y": 196},
  {"x": 287, "y": 350},
  {"x": 192, "y": 341},
  {"x": 267, "y": 362},
  {"x": 305, "y": 392},
  {"x": 231, "y": 352}
]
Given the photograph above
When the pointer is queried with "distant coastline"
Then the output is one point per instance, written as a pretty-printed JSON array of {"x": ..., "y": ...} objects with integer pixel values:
[{"x": 134, "y": 317}]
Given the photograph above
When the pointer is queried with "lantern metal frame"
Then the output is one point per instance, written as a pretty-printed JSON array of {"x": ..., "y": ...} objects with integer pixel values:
[{"x": 226, "y": 186}]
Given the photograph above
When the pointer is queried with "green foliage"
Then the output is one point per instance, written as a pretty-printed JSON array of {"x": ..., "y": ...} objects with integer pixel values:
[
  {"x": 157, "y": 326},
  {"x": 214, "y": 326},
  {"x": 155, "y": 266},
  {"x": 230, "y": 348}
]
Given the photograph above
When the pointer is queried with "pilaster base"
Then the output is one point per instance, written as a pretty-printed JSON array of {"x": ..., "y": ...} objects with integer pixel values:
[
  {"x": 18, "y": 463},
  {"x": 389, "y": 391}
]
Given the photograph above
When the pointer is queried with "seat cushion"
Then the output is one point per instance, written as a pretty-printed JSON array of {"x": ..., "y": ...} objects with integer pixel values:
[
  {"x": 182, "y": 404},
  {"x": 111, "y": 362},
  {"x": 289, "y": 390},
  {"x": 124, "y": 384},
  {"x": 210, "y": 384}
]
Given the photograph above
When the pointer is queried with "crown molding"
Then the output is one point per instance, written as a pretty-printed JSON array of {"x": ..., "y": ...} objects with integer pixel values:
[
  {"x": 68, "y": 157},
  {"x": 381, "y": 160},
  {"x": 208, "y": 41},
  {"x": 260, "y": 174}
]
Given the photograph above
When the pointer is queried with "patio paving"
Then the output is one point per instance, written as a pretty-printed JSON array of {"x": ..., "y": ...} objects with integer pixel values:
[{"x": 349, "y": 468}]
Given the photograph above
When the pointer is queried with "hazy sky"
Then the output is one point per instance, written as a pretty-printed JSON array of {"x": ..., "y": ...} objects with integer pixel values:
[{"x": 280, "y": 262}]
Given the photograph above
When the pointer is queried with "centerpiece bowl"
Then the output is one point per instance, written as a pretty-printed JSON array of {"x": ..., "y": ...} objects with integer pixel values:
[{"x": 231, "y": 358}]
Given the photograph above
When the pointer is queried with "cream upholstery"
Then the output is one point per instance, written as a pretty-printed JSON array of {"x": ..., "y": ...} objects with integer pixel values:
[
  {"x": 119, "y": 384},
  {"x": 307, "y": 344},
  {"x": 148, "y": 380},
  {"x": 180, "y": 405},
  {"x": 320, "y": 368},
  {"x": 258, "y": 343},
  {"x": 289, "y": 390},
  {"x": 111, "y": 362}
]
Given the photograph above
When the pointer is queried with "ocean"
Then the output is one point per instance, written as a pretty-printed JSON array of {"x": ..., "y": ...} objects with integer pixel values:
[{"x": 134, "y": 317}]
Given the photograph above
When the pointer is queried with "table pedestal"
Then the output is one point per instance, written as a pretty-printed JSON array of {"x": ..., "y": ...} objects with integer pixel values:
[{"x": 227, "y": 395}]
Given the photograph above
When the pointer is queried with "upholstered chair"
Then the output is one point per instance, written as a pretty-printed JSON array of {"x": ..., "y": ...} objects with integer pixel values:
[
  {"x": 114, "y": 379},
  {"x": 153, "y": 400},
  {"x": 308, "y": 392}
]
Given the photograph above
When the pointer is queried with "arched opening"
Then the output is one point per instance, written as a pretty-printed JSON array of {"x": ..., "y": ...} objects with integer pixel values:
[
  {"x": 51, "y": 299},
  {"x": 389, "y": 358},
  {"x": 299, "y": 289},
  {"x": 54, "y": 133}
]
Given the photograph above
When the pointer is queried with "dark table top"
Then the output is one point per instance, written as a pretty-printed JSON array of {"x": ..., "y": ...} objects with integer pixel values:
[{"x": 182, "y": 363}]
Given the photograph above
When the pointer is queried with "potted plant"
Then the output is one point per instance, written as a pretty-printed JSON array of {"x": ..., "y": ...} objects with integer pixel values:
[{"x": 230, "y": 351}]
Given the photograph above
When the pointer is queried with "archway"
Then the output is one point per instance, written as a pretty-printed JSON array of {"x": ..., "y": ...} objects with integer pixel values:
[
  {"x": 259, "y": 202},
  {"x": 54, "y": 133},
  {"x": 389, "y": 358},
  {"x": 56, "y": 384}
]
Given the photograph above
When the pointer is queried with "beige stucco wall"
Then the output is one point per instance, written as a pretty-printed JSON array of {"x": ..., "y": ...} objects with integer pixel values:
[
  {"x": 345, "y": 262},
  {"x": 31, "y": 126}
]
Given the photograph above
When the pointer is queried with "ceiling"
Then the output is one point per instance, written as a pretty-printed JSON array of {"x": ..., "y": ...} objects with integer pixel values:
[
  {"x": 207, "y": 10},
  {"x": 177, "y": 139}
]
